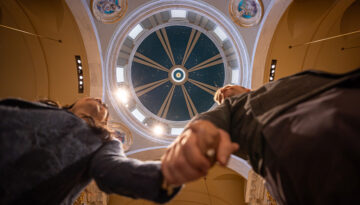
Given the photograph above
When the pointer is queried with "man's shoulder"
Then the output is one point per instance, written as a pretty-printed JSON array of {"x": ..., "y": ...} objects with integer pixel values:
[{"x": 276, "y": 96}]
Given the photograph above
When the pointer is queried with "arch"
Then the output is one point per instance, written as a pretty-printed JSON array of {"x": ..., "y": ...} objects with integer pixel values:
[
  {"x": 33, "y": 83},
  {"x": 86, "y": 24},
  {"x": 267, "y": 29}
]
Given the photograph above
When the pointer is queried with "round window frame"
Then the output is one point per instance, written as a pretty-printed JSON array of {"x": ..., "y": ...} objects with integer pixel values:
[{"x": 146, "y": 11}]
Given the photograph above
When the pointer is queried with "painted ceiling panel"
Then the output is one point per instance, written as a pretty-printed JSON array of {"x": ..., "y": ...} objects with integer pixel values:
[
  {"x": 203, "y": 50},
  {"x": 153, "y": 99},
  {"x": 213, "y": 75},
  {"x": 151, "y": 47},
  {"x": 201, "y": 99},
  {"x": 142, "y": 74},
  {"x": 178, "y": 102},
  {"x": 178, "y": 37}
]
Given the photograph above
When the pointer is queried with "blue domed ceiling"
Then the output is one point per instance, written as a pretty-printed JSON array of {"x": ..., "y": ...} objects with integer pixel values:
[{"x": 176, "y": 71}]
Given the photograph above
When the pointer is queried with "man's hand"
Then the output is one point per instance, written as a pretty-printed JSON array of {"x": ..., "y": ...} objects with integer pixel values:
[
  {"x": 195, "y": 151},
  {"x": 229, "y": 91}
]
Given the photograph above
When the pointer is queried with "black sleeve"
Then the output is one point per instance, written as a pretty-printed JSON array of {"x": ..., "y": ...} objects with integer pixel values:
[
  {"x": 220, "y": 116},
  {"x": 233, "y": 117},
  {"x": 226, "y": 114},
  {"x": 114, "y": 173}
]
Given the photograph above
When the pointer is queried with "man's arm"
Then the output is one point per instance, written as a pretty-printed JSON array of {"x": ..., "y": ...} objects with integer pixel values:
[
  {"x": 204, "y": 141},
  {"x": 220, "y": 116}
]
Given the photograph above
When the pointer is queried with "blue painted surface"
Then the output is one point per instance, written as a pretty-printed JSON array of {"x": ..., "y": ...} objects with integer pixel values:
[
  {"x": 177, "y": 109},
  {"x": 203, "y": 50},
  {"x": 178, "y": 75},
  {"x": 201, "y": 99},
  {"x": 178, "y": 37},
  {"x": 142, "y": 74},
  {"x": 152, "y": 48},
  {"x": 213, "y": 75},
  {"x": 154, "y": 99}
]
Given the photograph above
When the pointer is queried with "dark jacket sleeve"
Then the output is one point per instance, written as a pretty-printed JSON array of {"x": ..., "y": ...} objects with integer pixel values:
[
  {"x": 235, "y": 117},
  {"x": 228, "y": 115},
  {"x": 114, "y": 173},
  {"x": 220, "y": 116}
]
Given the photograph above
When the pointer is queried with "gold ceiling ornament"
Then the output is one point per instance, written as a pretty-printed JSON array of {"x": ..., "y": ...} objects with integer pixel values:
[
  {"x": 109, "y": 11},
  {"x": 122, "y": 133},
  {"x": 246, "y": 13}
]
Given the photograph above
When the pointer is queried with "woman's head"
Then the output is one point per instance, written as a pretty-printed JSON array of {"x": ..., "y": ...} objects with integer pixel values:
[
  {"x": 92, "y": 110},
  {"x": 228, "y": 91},
  {"x": 95, "y": 113}
]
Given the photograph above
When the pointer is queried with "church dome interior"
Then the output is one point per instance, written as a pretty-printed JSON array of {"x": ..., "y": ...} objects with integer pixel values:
[{"x": 158, "y": 63}]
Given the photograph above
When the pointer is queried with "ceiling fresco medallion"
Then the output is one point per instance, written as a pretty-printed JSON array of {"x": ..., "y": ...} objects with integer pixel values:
[
  {"x": 175, "y": 72},
  {"x": 246, "y": 13},
  {"x": 108, "y": 11},
  {"x": 122, "y": 133}
]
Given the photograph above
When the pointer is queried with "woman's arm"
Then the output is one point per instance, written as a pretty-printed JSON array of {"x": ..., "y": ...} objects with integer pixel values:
[{"x": 115, "y": 173}]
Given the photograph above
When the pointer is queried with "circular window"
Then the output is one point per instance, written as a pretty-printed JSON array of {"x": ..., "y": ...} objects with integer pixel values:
[{"x": 164, "y": 65}]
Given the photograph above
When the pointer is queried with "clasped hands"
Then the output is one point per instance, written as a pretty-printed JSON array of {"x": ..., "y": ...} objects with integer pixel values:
[{"x": 194, "y": 152}]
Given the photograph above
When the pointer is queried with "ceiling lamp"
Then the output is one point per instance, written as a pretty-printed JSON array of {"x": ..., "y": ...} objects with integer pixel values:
[
  {"x": 158, "y": 130},
  {"x": 272, "y": 70},
  {"x": 123, "y": 95}
]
